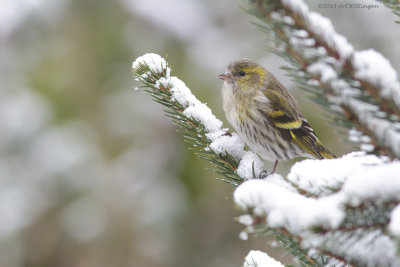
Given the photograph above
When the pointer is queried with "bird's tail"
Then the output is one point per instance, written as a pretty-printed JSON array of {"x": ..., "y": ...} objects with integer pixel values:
[{"x": 323, "y": 152}]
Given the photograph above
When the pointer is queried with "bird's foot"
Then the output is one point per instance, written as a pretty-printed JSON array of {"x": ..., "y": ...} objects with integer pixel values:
[
  {"x": 264, "y": 174},
  {"x": 227, "y": 133}
]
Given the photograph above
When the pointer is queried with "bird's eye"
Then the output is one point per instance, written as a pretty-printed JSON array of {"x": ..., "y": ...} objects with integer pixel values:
[{"x": 242, "y": 73}]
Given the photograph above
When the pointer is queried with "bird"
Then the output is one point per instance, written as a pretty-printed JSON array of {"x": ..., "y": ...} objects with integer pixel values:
[{"x": 266, "y": 116}]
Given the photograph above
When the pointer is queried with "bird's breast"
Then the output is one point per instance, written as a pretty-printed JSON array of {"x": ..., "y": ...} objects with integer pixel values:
[
  {"x": 229, "y": 102},
  {"x": 238, "y": 107}
]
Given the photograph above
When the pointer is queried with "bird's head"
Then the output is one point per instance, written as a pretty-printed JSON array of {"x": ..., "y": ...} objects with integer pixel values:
[{"x": 244, "y": 75}]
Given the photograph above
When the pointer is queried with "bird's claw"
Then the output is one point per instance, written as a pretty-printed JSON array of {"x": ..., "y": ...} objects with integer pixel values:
[{"x": 264, "y": 174}]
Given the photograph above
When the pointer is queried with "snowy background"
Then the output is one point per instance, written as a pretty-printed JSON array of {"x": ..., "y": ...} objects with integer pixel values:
[{"x": 91, "y": 172}]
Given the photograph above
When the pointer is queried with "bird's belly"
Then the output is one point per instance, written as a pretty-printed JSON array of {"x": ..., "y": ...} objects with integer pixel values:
[
  {"x": 262, "y": 145},
  {"x": 262, "y": 148},
  {"x": 268, "y": 142}
]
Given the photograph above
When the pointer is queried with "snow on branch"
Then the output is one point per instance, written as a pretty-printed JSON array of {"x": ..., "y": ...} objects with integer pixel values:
[
  {"x": 196, "y": 121},
  {"x": 362, "y": 85},
  {"x": 351, "y": 217},
  {"x": 257, "y": 258}
]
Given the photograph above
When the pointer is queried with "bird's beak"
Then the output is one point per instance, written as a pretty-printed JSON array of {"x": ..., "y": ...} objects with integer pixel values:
[{"x": 225, "y": 77}]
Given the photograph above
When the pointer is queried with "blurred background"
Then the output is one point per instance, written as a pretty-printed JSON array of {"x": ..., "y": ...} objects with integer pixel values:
[{"x": 91, "y": 172}]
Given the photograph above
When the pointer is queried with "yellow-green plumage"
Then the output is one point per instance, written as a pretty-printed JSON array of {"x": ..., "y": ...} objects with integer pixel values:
[{"x": 265, "y": 114}]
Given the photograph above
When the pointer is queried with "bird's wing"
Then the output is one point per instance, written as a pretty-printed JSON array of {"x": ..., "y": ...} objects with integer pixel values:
[
  {"x": 282, "y": 110},
  {"x": 285, "y": 114}
]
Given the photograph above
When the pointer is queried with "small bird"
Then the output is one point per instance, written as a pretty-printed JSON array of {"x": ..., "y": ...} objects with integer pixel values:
[{"x": 266, "y": 116}]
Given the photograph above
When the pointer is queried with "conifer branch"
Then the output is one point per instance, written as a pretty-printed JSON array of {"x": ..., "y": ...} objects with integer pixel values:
[{"x": 202, "y": 131}]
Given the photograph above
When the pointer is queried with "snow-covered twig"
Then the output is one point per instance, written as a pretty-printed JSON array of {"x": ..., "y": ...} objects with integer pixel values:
[
  {"x": 257, "y": 258},
  {"x": 196, "y": 121},
  {"x": 362, "y": 83}
]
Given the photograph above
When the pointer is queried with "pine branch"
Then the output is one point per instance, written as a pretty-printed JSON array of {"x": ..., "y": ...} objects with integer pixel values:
[
  {"x": 199, "y": 127},
  {"x": 361, "y": 85},
  {"x": 259, "y": 259}
]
